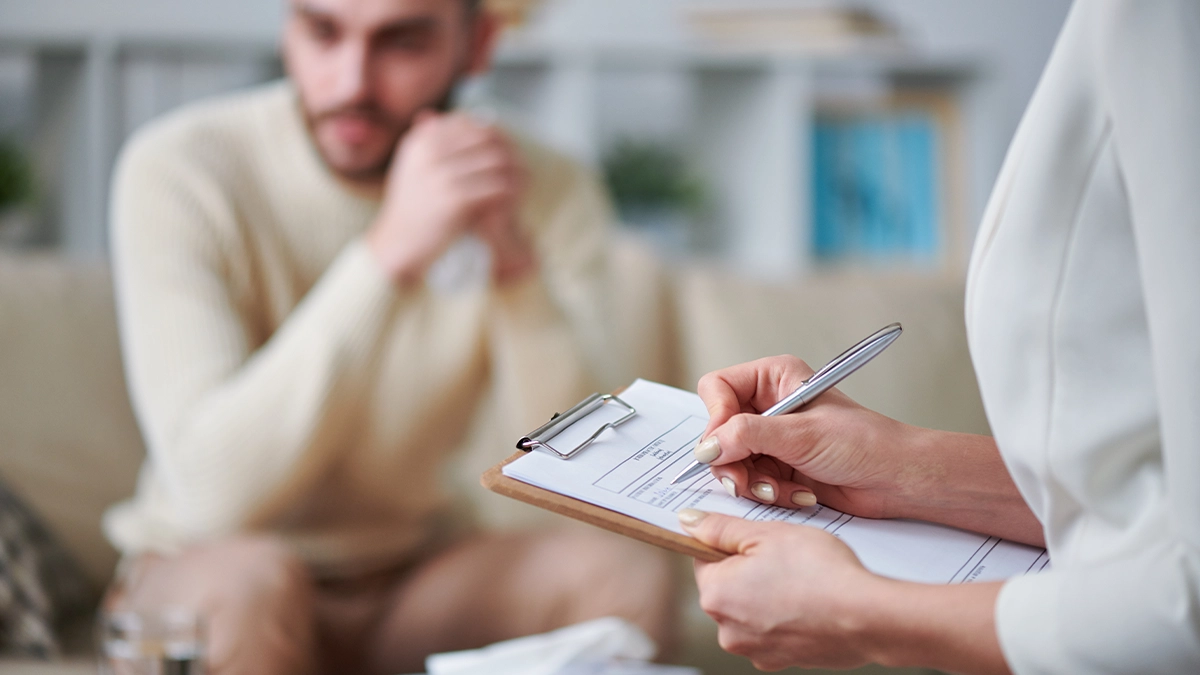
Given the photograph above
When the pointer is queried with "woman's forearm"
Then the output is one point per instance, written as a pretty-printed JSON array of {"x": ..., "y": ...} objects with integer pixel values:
[
  {"x": 960, "y": 480},
  {"x": 950, "y": 628}
]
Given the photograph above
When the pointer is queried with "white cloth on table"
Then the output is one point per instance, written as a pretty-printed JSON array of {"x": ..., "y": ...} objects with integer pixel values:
[{"x": 605, "y": 646}]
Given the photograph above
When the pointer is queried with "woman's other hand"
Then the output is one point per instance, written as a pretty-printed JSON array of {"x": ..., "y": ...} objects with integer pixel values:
[
  {"x": 789, "y": 595},
  {"x": 793, "y": 595}
]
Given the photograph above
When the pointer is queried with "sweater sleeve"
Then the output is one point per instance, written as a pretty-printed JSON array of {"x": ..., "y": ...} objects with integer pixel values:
[
  {"x": 1141, "y": 613},
  {"x": 231, "y": 422},
  {"x": 550, "y": 335}
]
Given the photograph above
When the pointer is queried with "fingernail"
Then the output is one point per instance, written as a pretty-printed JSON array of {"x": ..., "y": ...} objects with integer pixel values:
[
  {"x": 764, "y": 491},
  {"x": 708, "y": 450},
  {"x": 691, "y": 517},
  {"x": 729, "y": 485},
  {"x": 802, "y": 498}
]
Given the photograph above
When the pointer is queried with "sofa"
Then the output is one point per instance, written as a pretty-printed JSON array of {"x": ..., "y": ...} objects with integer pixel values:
[{"x": 70, "y": 446}]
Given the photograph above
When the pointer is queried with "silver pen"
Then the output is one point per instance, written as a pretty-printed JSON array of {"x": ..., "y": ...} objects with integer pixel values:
[{"x": 833, "y": 372}]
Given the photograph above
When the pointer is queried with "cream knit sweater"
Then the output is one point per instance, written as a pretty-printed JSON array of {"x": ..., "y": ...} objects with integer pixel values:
[{"x": 282, "y": 383}]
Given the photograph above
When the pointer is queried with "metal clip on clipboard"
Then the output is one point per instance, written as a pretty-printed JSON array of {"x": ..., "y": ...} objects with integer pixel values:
[{"x": 540, "y": 437}]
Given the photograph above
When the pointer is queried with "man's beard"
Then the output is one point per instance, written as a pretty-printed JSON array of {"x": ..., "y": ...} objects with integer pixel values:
[{"x": 375, "y": 115}]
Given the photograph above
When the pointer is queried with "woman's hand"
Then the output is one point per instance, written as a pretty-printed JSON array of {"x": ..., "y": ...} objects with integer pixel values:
[
  {"x": 794, "y": 595},
  {"x": 789, "y": 595},
  {"x": 852, "y": 458}
]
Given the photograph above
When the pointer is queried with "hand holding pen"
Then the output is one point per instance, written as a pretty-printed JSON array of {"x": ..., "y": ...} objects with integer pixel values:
[{"x": 782, "y": 460}]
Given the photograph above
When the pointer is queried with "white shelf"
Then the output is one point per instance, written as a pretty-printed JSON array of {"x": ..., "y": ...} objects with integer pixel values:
[
  {"x": 741, "y": 117},
  {"x": 521, "y": 53}
]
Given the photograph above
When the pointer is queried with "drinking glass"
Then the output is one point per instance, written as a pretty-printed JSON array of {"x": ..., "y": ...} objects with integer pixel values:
[{"x": 161, "y": 642}]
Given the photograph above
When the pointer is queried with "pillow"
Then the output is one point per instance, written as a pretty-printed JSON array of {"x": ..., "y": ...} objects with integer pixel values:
[{"x": 40, "y": 585}]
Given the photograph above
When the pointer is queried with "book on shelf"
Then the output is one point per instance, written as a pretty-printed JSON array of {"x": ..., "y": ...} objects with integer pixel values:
[
  {"x": 512, "y": 13},
  {"x": 879, "y": 188},
  {"x": 804, "y": 27}
]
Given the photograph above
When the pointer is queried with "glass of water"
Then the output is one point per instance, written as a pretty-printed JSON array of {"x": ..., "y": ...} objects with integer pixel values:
[{"x": 161, "y": 642}]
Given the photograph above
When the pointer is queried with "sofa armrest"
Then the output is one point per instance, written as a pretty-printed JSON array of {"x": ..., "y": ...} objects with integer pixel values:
[{"x": 69, "y": 445}]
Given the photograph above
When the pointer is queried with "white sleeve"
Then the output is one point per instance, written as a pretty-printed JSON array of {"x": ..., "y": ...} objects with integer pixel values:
[{"x": 1141, "y": 614}]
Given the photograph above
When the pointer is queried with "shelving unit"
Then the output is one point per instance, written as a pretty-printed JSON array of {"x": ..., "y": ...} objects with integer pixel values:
[
  {"x": 88, "y": 95},
  {"x": 742, "y": 120}
]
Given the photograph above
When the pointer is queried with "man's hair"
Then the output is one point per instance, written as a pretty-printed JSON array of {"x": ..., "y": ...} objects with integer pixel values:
[{"x": 473, "y": 5}]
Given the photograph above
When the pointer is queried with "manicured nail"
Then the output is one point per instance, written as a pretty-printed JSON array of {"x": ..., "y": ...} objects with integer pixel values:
[
  {"x": 729, "y": 485},
  {"x": 691, "y": 517},
  {"x": 764, "y": 491},
  {"x": 708, "y": 450},
  {"x": 802, "y": 498}
]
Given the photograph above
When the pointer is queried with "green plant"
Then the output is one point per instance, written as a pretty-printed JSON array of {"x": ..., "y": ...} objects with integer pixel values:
[
  {"x": 649, "y": 176},
  {"x": 16, "y": 175}
]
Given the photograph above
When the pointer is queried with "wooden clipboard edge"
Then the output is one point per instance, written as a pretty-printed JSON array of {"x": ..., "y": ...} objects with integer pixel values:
[{"x": 494, "y": 479}]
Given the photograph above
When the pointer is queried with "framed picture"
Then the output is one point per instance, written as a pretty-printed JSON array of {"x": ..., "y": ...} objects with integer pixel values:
[{"x": 887, "y": 182}]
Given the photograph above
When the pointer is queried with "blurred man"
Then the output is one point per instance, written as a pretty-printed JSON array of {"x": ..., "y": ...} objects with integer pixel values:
[{"x": 300, "y": 379}]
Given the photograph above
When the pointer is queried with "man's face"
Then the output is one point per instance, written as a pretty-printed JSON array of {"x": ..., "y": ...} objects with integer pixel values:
[{"x": 363, "y": 68}]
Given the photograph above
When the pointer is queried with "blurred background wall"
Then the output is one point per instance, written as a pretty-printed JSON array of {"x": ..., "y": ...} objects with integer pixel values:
[{"x": 779, "y": 137}]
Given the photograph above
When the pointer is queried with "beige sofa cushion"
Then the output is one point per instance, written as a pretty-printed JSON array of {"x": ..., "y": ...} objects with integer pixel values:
[
  {"x": 69, "y": 445},
  {"x": 925, "y": 378}
]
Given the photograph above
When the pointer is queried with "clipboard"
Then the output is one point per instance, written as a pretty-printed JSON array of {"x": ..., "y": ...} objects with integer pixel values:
[{"x": 494, "y": 479}]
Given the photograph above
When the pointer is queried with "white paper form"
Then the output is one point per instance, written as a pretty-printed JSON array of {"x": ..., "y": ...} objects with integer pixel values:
[{"x": 629, "y": 468}]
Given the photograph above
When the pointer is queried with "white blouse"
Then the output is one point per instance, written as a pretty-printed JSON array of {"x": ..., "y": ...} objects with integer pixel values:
[{"x": 1083, "y": 311}]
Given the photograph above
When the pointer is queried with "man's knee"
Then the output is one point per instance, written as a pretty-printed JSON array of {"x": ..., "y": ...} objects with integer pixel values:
[
  {"x": 262, "y": 572},
  {"x": 255, "y": 595},
  {"x": 608, "y": 575},
  {"x": 252, "y": 571}
]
